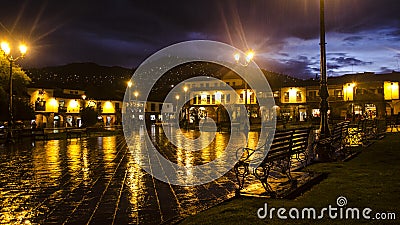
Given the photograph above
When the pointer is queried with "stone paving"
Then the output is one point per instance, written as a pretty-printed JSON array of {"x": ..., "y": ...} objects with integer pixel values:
[{"x": 96, "y": 180}]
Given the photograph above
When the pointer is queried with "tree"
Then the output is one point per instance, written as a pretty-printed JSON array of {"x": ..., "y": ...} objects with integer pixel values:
[
  {"x": 20, "y": 81},
  {"x": 89, "y": 116}
]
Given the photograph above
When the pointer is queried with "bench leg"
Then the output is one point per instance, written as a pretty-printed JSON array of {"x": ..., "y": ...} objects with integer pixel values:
[
  {"x": 262, "y": 174},
  {"x": 241, "y": 171}
]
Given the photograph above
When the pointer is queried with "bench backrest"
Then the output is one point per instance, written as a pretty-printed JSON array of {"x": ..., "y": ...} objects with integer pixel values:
[
  {"x": 281, "y": 145},
  {"x": 339, "y": 131},
  {"x": 300, "y": 140}
]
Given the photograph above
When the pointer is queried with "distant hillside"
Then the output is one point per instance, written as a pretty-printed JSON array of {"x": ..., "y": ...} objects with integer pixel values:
[
  {"x": 104, "y": 82},
  {"x": 99, "y": 81}
]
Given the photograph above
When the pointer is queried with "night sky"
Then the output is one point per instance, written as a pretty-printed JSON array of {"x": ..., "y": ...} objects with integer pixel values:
[{"x": 362, "y": 35}]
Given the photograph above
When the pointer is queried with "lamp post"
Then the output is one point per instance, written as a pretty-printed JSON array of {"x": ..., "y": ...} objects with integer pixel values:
[
  {"x": 5, "y": 47},
  {"x": 83, "y": 101},
  {"x": 136, "y": 95},
  {"x": 177, "y": 100},
  {"x": 129, "y": 90},
  {"x": 324, "y": 129},
  {"x": 249, "y": 57},
  {"x": 185, "y": 89}
]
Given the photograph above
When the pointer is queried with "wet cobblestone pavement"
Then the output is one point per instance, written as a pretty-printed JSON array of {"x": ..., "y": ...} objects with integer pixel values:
[{"x": 95, "y": 180}]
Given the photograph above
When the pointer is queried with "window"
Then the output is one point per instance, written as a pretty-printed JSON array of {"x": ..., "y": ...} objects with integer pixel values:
[
  {"x": 117, "y": 105},
  {"x": 286, "y": 97},
  {"x": 251, "y": 97},
  {"x": 208, "y": 99},
  {"x": 298, "y": 96},
  {"x": 152, "y": 107},
  {"x": 207, "y": 85},
  {"x": 213, "y": 99},
  {"x": 233, "y": 84},
  {"x": 338, "y": 93},
  {"x": 241, "y": 99},
  {"x": 228, "y": 98},
  {"x": 61, "y": 103},
  {"x": 201, "y": 85},
  {"x": 312, "y": 95},
  {"x": 160, "y": 107}
]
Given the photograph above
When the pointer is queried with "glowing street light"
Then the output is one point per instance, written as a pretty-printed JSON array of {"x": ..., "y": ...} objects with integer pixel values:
[
  {"x": 185, "y": 89},
  {"x": 249, "y": 56},
  {"x": 177, "y": 99},
  {"x": 129, "y": 90},
  {"x": 136, "y": 94},
  {"x": 5, "y": 47}
]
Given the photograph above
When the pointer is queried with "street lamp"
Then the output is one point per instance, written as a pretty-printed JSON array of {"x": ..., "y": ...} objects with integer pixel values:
[
  {"x": 185, "y": 89},
  {"x": 324, "y": 128},
  {"x": 136, "y": 94},
  {"x": 84, "y": 101},
  {"x": 5, "y": 47},
  {"x": 248, "y": 58},
  {"x": 177, "y": 99},
  {"x": 129, "y": 90}
]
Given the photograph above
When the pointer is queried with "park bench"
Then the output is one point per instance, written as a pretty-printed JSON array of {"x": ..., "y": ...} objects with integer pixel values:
[
  {"x": 75, "y": 132},
  {"x": 365, "y": 130},
  {"x": 337, "y": 143},
  {"x": 392, "y": 122},
  {"x": 286, "y": 146}
]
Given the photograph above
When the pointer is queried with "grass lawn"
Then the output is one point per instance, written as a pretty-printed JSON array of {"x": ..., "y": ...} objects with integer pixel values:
[{"x": 371, "y": 180}]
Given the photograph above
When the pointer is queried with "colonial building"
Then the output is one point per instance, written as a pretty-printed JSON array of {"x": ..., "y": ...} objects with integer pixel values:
[
  {"x": 207, "y": 95},
  {"x": 351, "y": 96},
  {"x": 62, "y": 107}
]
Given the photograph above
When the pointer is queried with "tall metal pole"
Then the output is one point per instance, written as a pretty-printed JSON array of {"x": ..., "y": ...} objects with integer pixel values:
[
  {"x": 324, "y": 128},
  {"x": 9, "y": 138}
]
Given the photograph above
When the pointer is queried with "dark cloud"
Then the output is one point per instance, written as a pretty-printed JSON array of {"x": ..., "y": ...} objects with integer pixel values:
[
  {"x": 347, "y": 61},
  {"x": 353, "y": 38},
  {"x": 125, "y": 32},
  {"x": 296, "y": 67}
]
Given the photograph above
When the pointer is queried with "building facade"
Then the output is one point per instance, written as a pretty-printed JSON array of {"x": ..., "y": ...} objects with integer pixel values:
[
  {"x": 62, "y": 107},
  {"x": 352, "y": 96}
]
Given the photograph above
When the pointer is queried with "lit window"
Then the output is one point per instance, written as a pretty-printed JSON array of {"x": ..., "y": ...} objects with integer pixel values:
[
  {"x": 286, "y": 96},
  {"x": 298, "y": 96}
]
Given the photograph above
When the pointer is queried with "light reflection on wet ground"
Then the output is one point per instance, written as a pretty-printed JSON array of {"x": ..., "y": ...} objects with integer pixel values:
[{"x": 96, "y": 180}]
